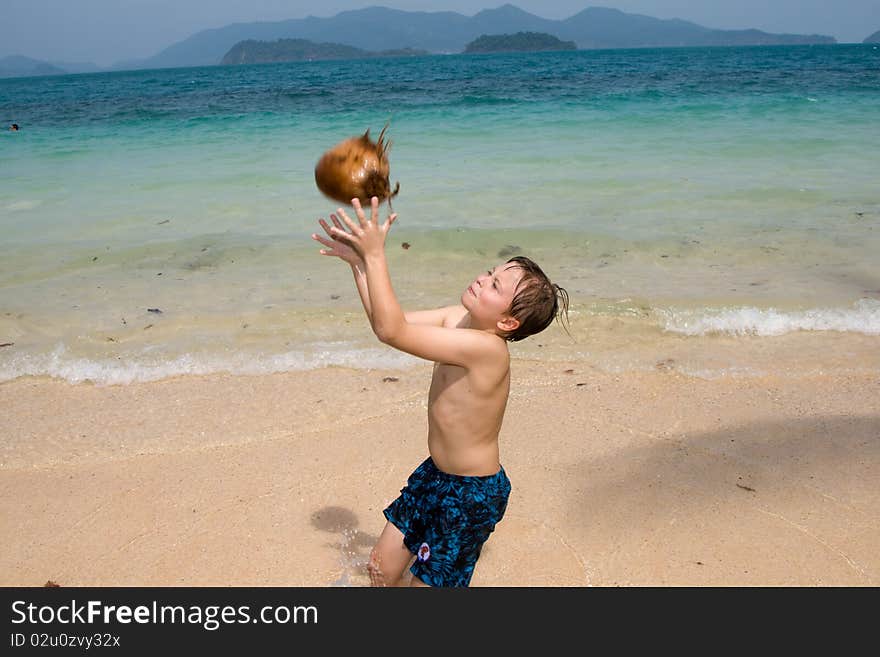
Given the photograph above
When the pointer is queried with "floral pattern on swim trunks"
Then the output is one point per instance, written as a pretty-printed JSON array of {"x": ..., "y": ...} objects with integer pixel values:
[{"x": 445, "y": 519}]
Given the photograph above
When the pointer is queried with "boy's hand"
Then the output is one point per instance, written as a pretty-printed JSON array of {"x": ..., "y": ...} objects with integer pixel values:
[
  {"x": 367, "y": 236},
  {"x": 336, "y": 247}
]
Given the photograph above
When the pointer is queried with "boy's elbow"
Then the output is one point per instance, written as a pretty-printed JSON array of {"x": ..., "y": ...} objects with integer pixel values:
[
  {"x": 387, "y": 334},
  {"x": 381, "y": 333}
]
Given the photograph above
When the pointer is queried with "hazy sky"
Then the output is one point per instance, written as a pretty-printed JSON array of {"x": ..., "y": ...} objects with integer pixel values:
[{"x": 108, "y": 31}]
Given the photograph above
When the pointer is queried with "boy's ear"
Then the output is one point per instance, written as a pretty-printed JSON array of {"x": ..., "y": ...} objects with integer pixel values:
[{"x": 508, "y": 324}]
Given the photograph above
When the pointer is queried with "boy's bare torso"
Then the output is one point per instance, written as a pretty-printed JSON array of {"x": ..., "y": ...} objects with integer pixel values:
[{"x": 465, "y": 411}]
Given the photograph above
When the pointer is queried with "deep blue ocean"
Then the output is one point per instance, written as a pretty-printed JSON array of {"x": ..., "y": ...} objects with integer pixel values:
[{"x": 691, "y": 200}]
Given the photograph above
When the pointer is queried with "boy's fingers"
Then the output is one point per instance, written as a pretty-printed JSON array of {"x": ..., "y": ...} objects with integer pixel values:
[
  {"x": 322, "y": 240},
  {"x": 328, "y": 229},
  {"x": 342, "y": 235},
  {"x": 359, "y": 211},
  {"x": 336, "y": 221},
  {"x": 374, "y": 209},
  {"x": 325, "y": 242},
  {"x": 348, "y": 222}
]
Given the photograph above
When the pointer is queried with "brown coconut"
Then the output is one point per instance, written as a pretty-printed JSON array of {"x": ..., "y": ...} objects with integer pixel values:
[{"x": 356, "y": 168}]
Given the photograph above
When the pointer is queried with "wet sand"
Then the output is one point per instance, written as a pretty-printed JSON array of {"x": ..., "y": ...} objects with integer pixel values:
[{"x": 652, "y": 478}]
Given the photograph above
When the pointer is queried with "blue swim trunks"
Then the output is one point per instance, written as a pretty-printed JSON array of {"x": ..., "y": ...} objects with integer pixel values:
[{"x": 445, "y": 519}]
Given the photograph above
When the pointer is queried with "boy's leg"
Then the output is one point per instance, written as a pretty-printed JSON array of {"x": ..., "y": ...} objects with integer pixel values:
[{"x": 389, "y": 557}]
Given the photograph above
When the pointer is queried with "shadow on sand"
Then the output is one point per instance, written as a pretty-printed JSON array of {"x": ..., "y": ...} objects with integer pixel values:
[
  {"x": 744, "y": 495},
  {"x": 353, "y": 544}
]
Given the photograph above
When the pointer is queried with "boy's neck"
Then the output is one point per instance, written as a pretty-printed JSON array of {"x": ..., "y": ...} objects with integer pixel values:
[{"x": 468, "y": 322}]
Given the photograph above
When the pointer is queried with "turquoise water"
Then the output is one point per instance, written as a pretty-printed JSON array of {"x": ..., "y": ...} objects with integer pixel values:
[{"x": 726, "y": 193}]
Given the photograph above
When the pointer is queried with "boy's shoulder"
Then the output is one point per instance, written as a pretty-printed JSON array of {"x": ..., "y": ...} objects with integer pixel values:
[
  {"x": 492, "y": 345},
  {"x": 453, "y": 315},
  {"x": 438, "y": 335},
  {"x": 447, "y": 317}
]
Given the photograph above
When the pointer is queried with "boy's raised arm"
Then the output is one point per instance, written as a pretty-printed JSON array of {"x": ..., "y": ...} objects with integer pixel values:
[
  {"x": 338, "y": 248},
  {"x": 430, "y": 341},
  {"x": 344, "y": 252}
]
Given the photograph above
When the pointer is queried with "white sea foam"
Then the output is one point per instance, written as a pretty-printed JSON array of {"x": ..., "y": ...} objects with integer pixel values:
[
  {"x": 62, "y": 365},
  {"x": 863, "y": 317}
]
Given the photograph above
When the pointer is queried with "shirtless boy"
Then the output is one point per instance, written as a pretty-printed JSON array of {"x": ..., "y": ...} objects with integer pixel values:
[{"x": 454, "y": 499}]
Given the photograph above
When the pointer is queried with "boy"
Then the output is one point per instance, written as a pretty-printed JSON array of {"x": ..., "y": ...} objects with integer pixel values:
[{"x": 454, "y": 499}]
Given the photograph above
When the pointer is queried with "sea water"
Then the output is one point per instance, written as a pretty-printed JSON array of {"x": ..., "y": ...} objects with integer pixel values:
[{"x": 716, "y": 210}]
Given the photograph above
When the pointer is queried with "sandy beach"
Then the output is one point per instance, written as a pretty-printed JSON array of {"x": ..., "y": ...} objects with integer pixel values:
[{"x": 651, "y": 478}]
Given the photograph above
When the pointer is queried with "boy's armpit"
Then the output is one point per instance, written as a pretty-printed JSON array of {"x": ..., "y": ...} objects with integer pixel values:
[{"x": 456, "y": 346}]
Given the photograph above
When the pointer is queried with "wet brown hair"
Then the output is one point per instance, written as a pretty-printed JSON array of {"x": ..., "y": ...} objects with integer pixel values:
[{"x": 536, "y": 302}]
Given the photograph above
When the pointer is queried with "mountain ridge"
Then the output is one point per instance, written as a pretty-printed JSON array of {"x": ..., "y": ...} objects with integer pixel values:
[
  {"x": 379, "y": 28},
  {"x": 375, "y": 28},
  {"x": 18, "y": 66}
]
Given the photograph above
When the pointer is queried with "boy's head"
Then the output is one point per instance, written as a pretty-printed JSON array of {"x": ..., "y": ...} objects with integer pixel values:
[
  {"x": 536, "y": 302},
  {"x": 516, "y": 298}
]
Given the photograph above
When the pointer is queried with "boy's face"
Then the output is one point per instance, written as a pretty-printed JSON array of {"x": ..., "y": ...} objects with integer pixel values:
[{"x": 489, "y": 297}]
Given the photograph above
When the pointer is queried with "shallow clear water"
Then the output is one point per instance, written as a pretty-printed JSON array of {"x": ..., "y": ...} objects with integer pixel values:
[{"x": 694, "y": 196}]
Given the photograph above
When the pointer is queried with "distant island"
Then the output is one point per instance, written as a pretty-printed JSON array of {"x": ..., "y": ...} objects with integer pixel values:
[
  {"x": 15, "y": 66},
  {"x": 373, "y": 28},
  {"x": 519, "y": 42},
  {"x": 874, "y": 38},
  {"x": 367, "y": 33},
  {"x": 303, "y": 50},
  {"x": 18, "y": 66}
]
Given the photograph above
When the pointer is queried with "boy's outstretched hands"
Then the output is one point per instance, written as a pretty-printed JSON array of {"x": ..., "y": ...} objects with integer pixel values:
[
  {"x": 364, "y": 238},
  {"x": 336, "y": 247}
]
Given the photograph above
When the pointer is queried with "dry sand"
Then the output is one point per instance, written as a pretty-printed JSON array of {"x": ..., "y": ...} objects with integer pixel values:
[{"x": 632, "y": 479}]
